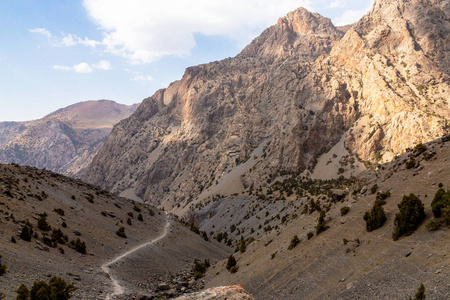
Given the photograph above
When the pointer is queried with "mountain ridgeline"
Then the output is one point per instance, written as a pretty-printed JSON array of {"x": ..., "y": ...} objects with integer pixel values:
[
  {"x": 380, "y": 86},
  {"x": 64, "y": 141}
]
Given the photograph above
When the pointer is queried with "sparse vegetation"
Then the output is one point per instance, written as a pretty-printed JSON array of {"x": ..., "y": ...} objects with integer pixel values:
[
  {"x": 345, "y": 210},
  {"x": 376, "y": 217},
  {"x": 411, "y": 163},
  {"x": 2, "y": 267},
  {"x": 78, "y": 245},
  {"x": 409, "y": 217},
  {"x": 419, "y": 149},
  {"x": 140, "y": 218},
  {"x": 59, "y": 237},
  {"x": 42, "y": 223},
  {"x": 374, "y": 189},
  {"x": 199, "y": 268},
  {"x": 320, "y": 227},
  {"x": 441, "y": 201},
  {"x": 231, "y": 263},
  {"x": 27, "y": 232},
  {"x": 23, "y": 293},
  {"x": 195, "y": 228},
  {"x": 441, "y": 210},
  {"x": 56, "y": 289},
  {"x": 121, "y": 232},
  {"x": 241, "y": 246},
  {"x": 309, "y": 235},
  {"x": 420, "y": 295},
  {"x": 294, "y": 242},
  {"x": 59, "y": 211}
]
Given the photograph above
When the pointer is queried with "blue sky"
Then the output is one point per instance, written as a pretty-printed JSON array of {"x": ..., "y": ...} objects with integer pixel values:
[{"x": 56, "y": 53}]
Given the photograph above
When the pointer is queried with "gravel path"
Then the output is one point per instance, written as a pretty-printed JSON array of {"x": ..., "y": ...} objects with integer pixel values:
[{"x": 118, "y": 289}]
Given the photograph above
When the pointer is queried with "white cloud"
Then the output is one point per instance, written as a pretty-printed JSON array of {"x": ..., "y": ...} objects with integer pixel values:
[
  {"x": 65, "y": 40},
  {"x": 350, "y": 16},
  {"x": 82, "y": 68},
  {"x": 144, "y": 31},
  {"x": 70, "y": 39},
  {"x": 85, "y": 67},
  {"x": 103, "y": 65},
  {"x": 42, "y": 31},
  {"x": 141, "y": 77},
  {"x": 62, "y": 68},
  {"x": 335, "y": 4}
]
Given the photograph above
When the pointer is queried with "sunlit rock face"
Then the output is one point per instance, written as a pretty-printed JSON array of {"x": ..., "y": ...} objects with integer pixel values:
[{"x": 288, "y": 97}]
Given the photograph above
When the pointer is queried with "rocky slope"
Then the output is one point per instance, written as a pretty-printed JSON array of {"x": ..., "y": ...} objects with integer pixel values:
[
  {"x": 64, "y": 141},
  {"x": 296, "y": 91},
  {"x": 345, "y": 261},
  {"x": 81, "y": 211}
]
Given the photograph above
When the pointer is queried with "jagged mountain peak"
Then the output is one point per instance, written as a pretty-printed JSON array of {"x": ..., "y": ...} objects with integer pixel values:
[
  {"x": 302, "y": 21},
  {"x": 299, "y": 35}
]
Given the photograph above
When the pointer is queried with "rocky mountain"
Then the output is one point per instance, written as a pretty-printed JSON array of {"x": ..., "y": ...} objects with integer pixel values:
[
  {"x": 52, "y": 225},
  {"x": 64, "y": 141},
  {"x": 302, "y": 87}
]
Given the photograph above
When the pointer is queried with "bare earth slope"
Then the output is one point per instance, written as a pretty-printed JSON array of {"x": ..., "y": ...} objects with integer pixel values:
[
  {"x": 296, "y": 91},
  {"x": 64, "y": 141},
  {"x": 93, "y": 215},
  {"x": 345, "y": 261}
]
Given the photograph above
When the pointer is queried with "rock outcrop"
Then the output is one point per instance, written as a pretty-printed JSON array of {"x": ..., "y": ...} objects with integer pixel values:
[
  {"x": 234, "y": 292},
  {"x": 64, "y": 141},
  {"x": 287, "y": 98}
]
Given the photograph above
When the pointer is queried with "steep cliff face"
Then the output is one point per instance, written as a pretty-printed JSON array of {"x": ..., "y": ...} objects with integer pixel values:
[
  {"x": 216, "y": 115},
  {"x": 288, "y": 97},
  {"x": 64, "y": 141},
  {"x": 394, "y": 61}
]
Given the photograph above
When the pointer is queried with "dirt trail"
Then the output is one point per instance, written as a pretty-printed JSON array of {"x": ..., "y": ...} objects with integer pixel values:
[{"x": 118, "y": 289}]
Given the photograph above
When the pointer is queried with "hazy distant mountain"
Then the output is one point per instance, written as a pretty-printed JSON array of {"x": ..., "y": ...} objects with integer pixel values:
[{"x": 64, "y": 141}]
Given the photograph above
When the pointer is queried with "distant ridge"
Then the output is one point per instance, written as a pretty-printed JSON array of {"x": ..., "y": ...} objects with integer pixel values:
[{"x": 64, "y": 141}]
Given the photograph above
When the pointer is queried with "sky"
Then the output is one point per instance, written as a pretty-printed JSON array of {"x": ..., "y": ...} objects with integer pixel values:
[{"x": 56, "y": 53}]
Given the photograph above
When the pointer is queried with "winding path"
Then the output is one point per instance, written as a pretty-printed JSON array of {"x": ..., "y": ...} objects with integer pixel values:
[{"x": 117, "y": 288}]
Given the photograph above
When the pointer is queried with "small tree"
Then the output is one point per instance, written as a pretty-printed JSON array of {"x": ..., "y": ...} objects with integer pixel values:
[
  {"x": 121, "y": 232},
  {"x": 420, "y": 295},
  {"x": 345, "y": 210},
  {"x": 40, "y": 290},
  {"x": 440, "y": 201},
  {"x": 294, "y": 242},
  {"x": 59, "y": 289},
  {"x": 320, "y": 227},
  {"x": 43, "y": 224},
  {"x": 2, "y": 267},
  {"x": 26, "y": 233},
  {"x": 78, "y": 245},
  {"x": 200, "y": 268},
  {"x": 231, "y": 262},
  {"x": 242, "y": 247},
  {"x": 409, "y": 217},
  {"x": 23, "y": 293},
  {"x": 376, "y": 217},
  {"x": 56, "y": 289}
]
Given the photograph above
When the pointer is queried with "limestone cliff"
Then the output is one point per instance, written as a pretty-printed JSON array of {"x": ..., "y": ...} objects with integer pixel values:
[{"x": 288, "y": 97}]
